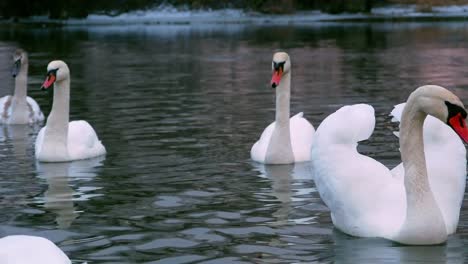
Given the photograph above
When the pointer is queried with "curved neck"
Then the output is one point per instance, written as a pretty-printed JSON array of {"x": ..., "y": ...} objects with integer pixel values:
[
  {"x": 424, "y": 222},
  {"x": 57, "y": 123},
  {"x": 279, "y": 149}
]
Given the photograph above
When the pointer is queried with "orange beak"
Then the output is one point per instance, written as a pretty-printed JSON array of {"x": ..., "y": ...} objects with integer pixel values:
[
  {"x": 458, "y": 124},
  {"x": 275, "y": 80},
  {"x": 50, "y": 79}
]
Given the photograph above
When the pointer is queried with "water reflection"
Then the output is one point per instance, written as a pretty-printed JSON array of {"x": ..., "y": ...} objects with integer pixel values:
[
  {"x": 20, "y": 138},
  {"x": 287, "y": 187},
  {"x": 60, "y": 196}
]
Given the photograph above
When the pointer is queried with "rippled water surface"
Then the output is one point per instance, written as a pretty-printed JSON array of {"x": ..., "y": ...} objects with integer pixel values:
[{"x": 178, "y": 108}]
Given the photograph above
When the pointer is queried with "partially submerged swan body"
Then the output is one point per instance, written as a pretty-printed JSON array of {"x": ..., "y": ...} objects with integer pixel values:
[
  {"x": 20, "y": 109},
  {"x": 60, "y": 140},
  {"x": 364, "y": 197},
  {"x": 21, "y": 249},
  {"x": 287, "y": 140}
]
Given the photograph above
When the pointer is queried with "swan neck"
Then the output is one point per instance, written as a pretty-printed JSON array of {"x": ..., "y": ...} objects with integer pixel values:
[
  {"x": 19, "y": 107},
  {"x": 412, "y": 146},
  {"x": 283, "y": 94},
  {"x": 424, "y": 223},
  {"x": 21, "y": 83},
  {"x": 57, "y": 122},
  {"x": 279, "y": 149}
]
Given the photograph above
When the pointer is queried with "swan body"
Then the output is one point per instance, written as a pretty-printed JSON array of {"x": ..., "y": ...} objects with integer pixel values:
[
  {"x": 446, "y": 166},
  {"x": 19, "y": 108},
  {"x": 287, "y": 140},
  {"x": 301, "y": 141},
  {"x": 365, "y": 198},
  {"x": 21, "y": 249},
  {"x": 60, "y": 140}
]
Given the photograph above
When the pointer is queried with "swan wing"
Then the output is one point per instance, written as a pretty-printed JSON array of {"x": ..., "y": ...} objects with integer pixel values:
[
  {"x": 302, "y": 134},
  {"x": 5, "y": 103},
  {"x": 360, "y": 192},
  {"x": 36, "y": 115},
  {"x": 259, "y": 149},
  {"x": 39, "y": 140},
  {"x": 83, "y": 141},
  {"x": 20, "y": 249}
]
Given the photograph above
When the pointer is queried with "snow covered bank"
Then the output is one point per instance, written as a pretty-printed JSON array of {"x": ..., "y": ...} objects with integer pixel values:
[
  {"x": 413, "y": 11},
  {"x": 171, "y": 15}
]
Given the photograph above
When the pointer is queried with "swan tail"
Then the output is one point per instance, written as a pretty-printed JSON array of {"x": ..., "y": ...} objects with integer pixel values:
[
  {"x": 298, "y": 115},
  {"x": 396, "y": 115},
  {"x": 397, "y": 111}
]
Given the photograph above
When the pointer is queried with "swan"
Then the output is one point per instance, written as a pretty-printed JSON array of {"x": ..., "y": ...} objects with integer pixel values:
[
  {"x": 20, "y": 108},
  {"x": 446, "y": 166},
  {"x": 60, "y": 140},
  {"x": 22, "y": 249},
  {"x": 364, "y": 197},
  {"x": 287, "y": 140}
]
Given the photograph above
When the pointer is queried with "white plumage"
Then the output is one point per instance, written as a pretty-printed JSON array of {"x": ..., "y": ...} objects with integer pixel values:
[
  {"x": 21, "y": 249},
  {"x": 82, "y": 143},
  {"x": 367, "y": 199},
  {"x": 20, "y": 109},
  {"x": 301, "y": 140},
  {"x": 288, "y": 139},
  {"x": 61, "y": 140}
]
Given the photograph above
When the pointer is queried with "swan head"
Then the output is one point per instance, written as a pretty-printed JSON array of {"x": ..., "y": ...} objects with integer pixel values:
[
  {"x": 20, "y": 57},
  {"x": 445, "y": 106},
  {"x": 280, "y": 65},
  {"x": 57, "y": 71}
]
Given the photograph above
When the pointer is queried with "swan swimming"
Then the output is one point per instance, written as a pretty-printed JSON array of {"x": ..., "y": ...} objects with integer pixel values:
[
  {"x": 61, "y": 140},
  {"x": 365, "y": 198},
  {"x": 20, "y": 109},
  {"x": 287, "y": 140}
]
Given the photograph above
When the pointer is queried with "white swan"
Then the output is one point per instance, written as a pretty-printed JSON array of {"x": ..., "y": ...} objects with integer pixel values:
[
  {"x": 20, "y": 108},
  {"x": 21, "y": 249},
  {"x": 286, "y": 140},
  {"x": 59, "y": 140},
  {"x": 446, "y": 166},
  {"x": 364, "y": 198}
]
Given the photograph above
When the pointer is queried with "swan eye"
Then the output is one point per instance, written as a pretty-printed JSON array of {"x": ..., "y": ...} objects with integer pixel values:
[
  {"x": 455, "y": 110},
  {"x": 16, "y": 67},
  {"x": 278, "y": 65},
  {"x": 53, "y": 71}
]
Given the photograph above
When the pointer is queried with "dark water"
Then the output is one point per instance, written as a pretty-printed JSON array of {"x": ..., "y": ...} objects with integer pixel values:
[{"x": 178, "y": 108}]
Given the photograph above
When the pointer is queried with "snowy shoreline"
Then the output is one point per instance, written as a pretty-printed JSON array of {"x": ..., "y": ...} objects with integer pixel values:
[{"x": 171, "y": 15}]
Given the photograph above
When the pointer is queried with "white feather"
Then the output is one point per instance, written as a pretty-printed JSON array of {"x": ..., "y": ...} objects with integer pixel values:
[
  {"x": 83, "y": 143},
  {"x": 301, "y": 140},
  {"x": 364, "y": 198},
  {"x": 20, "y": 249}
]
